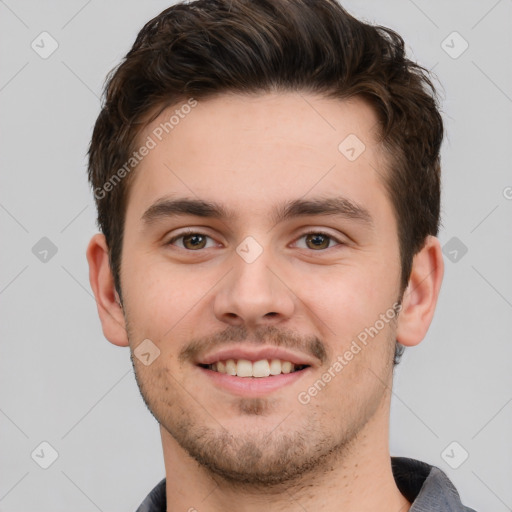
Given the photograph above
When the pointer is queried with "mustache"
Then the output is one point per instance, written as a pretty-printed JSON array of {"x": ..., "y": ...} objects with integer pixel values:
[{"x": 265, "y": 335}]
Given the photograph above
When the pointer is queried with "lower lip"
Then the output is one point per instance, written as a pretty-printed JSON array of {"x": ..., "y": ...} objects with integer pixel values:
[{"x": 253, "y": 386}]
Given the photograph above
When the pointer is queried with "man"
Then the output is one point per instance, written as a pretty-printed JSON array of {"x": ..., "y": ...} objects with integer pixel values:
[{"x": 267, "y": 178}]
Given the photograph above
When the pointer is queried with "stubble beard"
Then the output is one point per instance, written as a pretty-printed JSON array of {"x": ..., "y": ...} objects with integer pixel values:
[{"x": 300, "y": 447}]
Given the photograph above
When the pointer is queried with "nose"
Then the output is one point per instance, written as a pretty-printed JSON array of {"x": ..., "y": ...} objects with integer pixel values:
[{"x": 254, "y": 294}]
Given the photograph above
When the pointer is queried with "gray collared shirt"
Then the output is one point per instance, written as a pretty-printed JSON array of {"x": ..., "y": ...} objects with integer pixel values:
[{"x": 425, "y": 486}]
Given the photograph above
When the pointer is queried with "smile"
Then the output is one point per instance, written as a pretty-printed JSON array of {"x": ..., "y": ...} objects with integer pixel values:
[{"x": 258, "y": 369}]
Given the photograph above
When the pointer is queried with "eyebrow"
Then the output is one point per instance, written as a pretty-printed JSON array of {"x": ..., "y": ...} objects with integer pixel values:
[{"x": 335, "y": 206}]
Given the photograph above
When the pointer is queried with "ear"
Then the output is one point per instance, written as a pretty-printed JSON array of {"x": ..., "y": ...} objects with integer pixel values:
[
  {"x": 420, "y": 297},
  {"x": 102, "y": 283}
]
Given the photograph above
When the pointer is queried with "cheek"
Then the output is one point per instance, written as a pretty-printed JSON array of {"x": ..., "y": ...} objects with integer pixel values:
[
  {"x": 160, "y": 296},
  {"x": 346, "y": 303}
]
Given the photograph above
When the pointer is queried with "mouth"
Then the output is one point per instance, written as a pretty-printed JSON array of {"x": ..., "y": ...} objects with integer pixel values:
[
  {"x": 254, "y": 369},
  {"x": 250, "y": 370}
]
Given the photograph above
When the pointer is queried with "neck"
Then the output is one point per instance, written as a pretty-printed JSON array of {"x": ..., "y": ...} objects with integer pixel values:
[{"x": 358, "y": 478}]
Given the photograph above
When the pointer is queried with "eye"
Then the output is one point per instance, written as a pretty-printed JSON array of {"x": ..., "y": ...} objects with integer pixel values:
[
  {"x": 192, "y": 241},
  {"x": 318, "y": 240}
]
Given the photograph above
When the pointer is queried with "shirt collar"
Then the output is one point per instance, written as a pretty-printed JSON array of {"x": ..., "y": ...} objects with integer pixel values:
[{"x": 425, "y": 486}]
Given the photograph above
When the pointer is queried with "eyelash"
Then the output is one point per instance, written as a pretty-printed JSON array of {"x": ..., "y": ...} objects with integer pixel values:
[
  {"x": 313, "y": 232},
  {"x": 321, "y": 233}
]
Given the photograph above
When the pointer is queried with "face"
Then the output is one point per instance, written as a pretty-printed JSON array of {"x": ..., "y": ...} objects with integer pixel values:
[{"x": 254, "y": 245}]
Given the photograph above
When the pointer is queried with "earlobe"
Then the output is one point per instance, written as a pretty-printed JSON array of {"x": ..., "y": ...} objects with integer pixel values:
[
  {"x": 109, "y": 305},
  {"x": 420, "y": 297}
]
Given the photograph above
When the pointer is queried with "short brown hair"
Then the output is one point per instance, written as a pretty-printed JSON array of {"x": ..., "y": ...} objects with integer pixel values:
[{"x": 207, "y": 47}]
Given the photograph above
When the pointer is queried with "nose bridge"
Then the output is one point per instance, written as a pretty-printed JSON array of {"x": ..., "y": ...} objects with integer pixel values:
[{"x": 252, "y": 293}]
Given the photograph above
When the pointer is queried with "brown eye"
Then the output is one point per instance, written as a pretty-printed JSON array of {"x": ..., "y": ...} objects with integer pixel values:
[
  {"x": 317, "y": 241},
  {"x": 194, "y": 241}
]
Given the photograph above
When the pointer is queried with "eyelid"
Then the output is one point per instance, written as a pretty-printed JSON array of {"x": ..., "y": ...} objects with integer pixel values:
[
  {"x": 323, "y": 233},
  {"x": 186, "y": 232},
  {"x": 190, "y": 231}
]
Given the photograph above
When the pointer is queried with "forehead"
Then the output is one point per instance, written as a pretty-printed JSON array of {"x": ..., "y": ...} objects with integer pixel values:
[{"x": 255, "y": 150}]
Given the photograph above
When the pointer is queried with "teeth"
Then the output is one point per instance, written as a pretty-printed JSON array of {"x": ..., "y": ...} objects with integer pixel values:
[
  {"x": 230, "y": 367},
  {"x": 286, "y": 367},
  {"x": 275, "y": 367},
  {"x": 261, "y": 368},
  {"x": 244, "y": 368}
]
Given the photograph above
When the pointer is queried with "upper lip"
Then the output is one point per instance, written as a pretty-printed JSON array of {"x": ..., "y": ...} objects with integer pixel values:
[{"x": 256, "y": 354}]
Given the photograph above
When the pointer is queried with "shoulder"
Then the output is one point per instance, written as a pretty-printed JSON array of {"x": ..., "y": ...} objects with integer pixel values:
[
  {"x": 427, "y": 487},
  {"x": 156, "y": 500}
]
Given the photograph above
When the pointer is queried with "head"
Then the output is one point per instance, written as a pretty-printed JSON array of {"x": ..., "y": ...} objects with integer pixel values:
[{"x": 246, "y": 107}]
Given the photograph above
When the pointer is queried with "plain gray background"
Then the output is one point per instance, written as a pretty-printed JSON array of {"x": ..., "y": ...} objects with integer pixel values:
[{"x": 62, "y": 383}]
